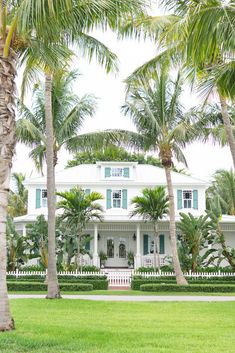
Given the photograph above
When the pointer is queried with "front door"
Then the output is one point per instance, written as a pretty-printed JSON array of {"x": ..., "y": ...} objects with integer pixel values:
[{"x": 116, "y": 252}]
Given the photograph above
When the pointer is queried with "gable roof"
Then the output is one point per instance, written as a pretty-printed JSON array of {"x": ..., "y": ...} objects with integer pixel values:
[{"x": 89, "y": 174}]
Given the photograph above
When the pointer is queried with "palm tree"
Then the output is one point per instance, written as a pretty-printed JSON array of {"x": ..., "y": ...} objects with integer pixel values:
[
  {"x": 68, "y": 115},
  {"x": 162, "y": 126},
  {"x": 152, "y": 206},
  {"x": 29, "y": 29},
  {"x": 222, "y": 192},
  {"x": 195, "y": 231},
  {"x": 79, "y": 208},
  {"x": 19, "y": 197},
  {"x": 200, "y": 35}
]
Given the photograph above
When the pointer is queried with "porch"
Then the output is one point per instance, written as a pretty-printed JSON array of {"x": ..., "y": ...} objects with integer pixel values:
[{"x": 121, "y": 241}]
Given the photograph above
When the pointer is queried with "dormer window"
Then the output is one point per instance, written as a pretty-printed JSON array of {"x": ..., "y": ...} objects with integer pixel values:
[{"x": 117, "y": 172}]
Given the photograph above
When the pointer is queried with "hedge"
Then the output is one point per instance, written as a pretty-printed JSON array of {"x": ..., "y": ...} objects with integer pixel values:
[
  {"x": 61, "y": 278},
  {"x": 136, "y": 283},
  {"x": 34, "y": 286},
  {"x": 188, "y": 288}
]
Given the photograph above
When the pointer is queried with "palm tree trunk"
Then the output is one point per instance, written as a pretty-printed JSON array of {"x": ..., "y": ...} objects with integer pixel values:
[
  {"x": 178, "y": 272},
  {"x": 78, "y": 252},
  {"x": 53, "y": 286},
  {"x": 228, "y": 127},
  {"x": 156, "y": 247},
  {"x": 7, "y": 146}
]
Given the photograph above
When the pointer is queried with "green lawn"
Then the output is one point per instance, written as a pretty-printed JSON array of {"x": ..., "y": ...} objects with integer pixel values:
[{"x": 74, "y": 326}]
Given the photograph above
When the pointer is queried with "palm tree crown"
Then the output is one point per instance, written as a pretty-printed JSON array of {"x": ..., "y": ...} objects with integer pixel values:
[
  {"x": 152, "y": 205},
  {"x": 69, "y": 113}
]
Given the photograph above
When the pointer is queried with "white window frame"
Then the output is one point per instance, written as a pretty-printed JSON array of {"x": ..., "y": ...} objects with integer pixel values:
[
  {"x": 43, "y": 199},
  {"x": 116, "y": 199},
  {"x": 187, "y": 202},
  {"x": 117, "y": 172}
]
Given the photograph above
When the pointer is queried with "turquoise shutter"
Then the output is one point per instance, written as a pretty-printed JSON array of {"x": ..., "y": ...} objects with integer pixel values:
[
  {"x": 126, "y": 172},
  {"x": 88, "y": 245},
  {"x": 87, "y": 191},
  {"x": 38, "y": 198},
  {"x": 162, "y": 244},
  {"x": 124, "y": 199},
  {"x": 146, "y": 244},
  {"x": 195, "y": 199},
  {"x": 179, "y": 199},
  {"x": 107, "y": 172},
  {"x": 108, "y": 199}
]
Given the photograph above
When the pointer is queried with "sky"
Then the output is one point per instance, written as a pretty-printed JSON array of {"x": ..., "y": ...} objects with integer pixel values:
[{"x": 203, "y": 159}]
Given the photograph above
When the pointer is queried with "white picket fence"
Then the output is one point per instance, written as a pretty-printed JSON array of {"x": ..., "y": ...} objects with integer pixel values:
[
  {"x": 123, "y": 278},
  {"x": 194, "y": 275}
]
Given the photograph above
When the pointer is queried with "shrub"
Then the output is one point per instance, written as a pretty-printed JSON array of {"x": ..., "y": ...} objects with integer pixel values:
[
  {"x": 35, "y": 286},
  {"x": 96, "y": 283},
  {"x": 138, "y": 281},
  {"x": 189, "y": 288}
]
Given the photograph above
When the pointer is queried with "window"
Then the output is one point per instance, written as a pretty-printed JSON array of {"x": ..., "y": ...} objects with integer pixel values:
[
  {"x": 116, "y": 172},
  {"x": 187, "y": 198},
  {"x": 117, "y": 198},
  {"x": 44, "y": 197}
]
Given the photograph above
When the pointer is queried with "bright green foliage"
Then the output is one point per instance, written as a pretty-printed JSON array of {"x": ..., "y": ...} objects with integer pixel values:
[
  {"x": 222, "y": 193},
  {"x": 195, "y": 235},
  {"x": 37, "y": 236},
  {"x": 16, "y": 247},
  {"x": 79, "y": 208},
  {"x": 106, "y": 327},
  {"x": 68, "y": 110},
  {"x": 18, "y": 198},
  {"x": 158, "y": 114},
  {"x": 152, "y": 205}
]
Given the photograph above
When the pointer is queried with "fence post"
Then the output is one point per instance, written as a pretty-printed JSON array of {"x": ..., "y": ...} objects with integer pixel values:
[{"x": 17, "y": 273}]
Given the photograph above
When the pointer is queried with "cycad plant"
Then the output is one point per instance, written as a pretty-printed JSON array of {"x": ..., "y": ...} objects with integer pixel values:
[
  {"x": 162, "y": 126},
  {"x": 152, "y": 206},
  {"x": 79, "y": 208}
]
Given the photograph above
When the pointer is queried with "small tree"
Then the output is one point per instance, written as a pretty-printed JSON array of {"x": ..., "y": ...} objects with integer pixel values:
[
  {"x": 195, "y": 234},
  {"x": 78, "y": 209},
  {"x": 152, "y": 206},
  {"x": 16, "y": 246}
]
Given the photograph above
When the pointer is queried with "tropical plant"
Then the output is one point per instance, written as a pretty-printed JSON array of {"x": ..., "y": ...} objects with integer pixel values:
[
  {"x": 37, "y": 239},
  {"x": 18, "y": 197},
  {"x": 216, "y": 231},
  {"x": 68, "y": 111},
  {"x": 152, "y": 206},
  {"x": 78, "y": 209},
  {"x": 103, "y": 257},
  {"x": 195, "y": 235},
  {"x": 201, "y": 36},
  {"x": 162, "y": 126},
  {"x": 16, "y": 246},
  {"x": 29, "y": 30},
  {"x": 221, "y": 194},
  {"x": 116, "y": 153}
]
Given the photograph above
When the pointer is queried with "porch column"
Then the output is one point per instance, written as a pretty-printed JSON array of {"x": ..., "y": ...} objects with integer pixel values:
[
  {"x": 24, "y": 230},
  {"x": 96, "y": 260},
  {"x": 138, "y": 252}
]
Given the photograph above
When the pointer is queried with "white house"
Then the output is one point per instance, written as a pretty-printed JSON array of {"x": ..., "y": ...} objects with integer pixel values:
[{"x": 119, "y": 182}]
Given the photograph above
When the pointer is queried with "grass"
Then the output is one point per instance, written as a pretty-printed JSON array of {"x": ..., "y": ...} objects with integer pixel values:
[
  {"x": 128, "y": 292},
  {"x": 75, "y": 326}
]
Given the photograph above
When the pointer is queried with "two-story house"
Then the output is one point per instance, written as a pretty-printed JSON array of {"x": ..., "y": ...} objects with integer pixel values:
[{"x": 119, "y": 182}]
